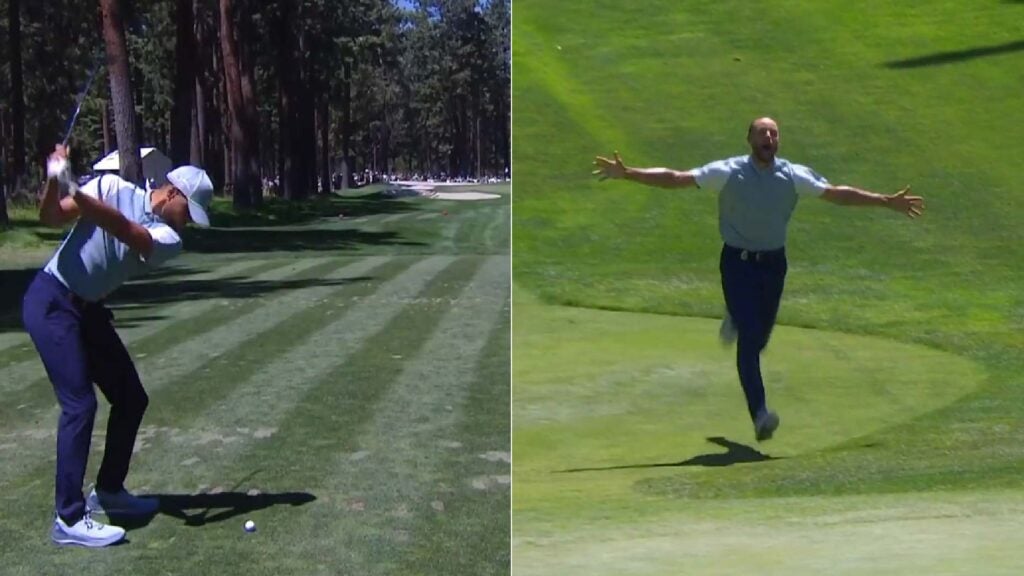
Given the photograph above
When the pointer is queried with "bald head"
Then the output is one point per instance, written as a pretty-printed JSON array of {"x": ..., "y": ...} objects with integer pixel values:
[{"x": 763, "y": 137}]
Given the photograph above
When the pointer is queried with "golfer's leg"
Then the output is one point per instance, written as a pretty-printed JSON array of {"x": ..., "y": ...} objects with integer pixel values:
[
  {"x": 53, "y": 324},
  {"x": 740, "y": 287},
  {"x": 114, "y": 372},
  {"x": 774, "y": 280}
]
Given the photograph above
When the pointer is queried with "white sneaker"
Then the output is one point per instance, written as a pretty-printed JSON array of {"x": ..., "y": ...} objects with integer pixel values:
[
  {"x": 121, "y": 503},
  {"x": 85, "y": 532},
  {"x": 727, "y": 333}
]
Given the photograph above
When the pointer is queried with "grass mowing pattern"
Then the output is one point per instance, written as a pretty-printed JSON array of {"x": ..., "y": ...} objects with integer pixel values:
[
  {"x": 862, "y": 96},
  {"x": 950, "y": 284},
  {"x": 266, "y": 379}
]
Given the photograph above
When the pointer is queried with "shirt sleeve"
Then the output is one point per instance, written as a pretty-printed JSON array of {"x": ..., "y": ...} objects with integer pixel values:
[
  {"x": 166, "y": 244},
  {"x": 808, "y": 182},
  {"x": 712, "y": 176},
  {"x": 91, "y": 188}
]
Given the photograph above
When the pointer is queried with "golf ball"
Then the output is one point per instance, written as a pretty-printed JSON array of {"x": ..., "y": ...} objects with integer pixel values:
[{"x": 250, "y": 526}]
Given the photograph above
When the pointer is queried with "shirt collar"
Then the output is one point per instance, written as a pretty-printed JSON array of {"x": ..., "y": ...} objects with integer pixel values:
[{"x": 759, "y": 168}]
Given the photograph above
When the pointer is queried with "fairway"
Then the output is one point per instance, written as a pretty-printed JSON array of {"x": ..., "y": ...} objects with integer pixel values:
[
  {"x": 897, "y": 365},
  {"x": 342, "y": 382}
]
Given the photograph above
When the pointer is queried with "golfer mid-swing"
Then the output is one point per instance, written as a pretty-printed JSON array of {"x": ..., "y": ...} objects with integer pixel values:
[
  {"x": 756, "y": 197},
  {"x": 120, "y": 231}
]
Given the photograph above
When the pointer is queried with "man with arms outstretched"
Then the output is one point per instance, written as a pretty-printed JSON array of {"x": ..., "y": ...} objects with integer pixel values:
[{"x": 756, "y": 197}]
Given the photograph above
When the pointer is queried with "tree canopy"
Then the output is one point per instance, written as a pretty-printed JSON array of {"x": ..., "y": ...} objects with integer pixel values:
[{"x": 295, "y": 96}]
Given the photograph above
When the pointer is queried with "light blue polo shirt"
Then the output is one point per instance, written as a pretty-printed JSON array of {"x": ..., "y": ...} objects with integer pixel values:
[
  {"x": 754, "y": 203},
  {"x": 91, "y": 262}
]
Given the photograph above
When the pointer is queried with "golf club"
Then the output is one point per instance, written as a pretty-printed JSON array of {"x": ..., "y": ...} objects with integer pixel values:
[
  {"x": 67, "y": 177},
  {"x": 81, "y": 99}
]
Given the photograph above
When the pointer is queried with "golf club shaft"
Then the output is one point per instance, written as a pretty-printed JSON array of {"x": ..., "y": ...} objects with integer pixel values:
[{"x": 78, "y": 105}]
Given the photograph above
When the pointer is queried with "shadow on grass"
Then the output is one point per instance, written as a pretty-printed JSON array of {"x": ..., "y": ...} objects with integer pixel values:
[
  {"x": 162, "y": 286},
  {"x": 736, "y": 453},
  {"x": 202, "y": 509},
  {"x": 955, "y": 56},
  {"x": 280, "y": 212},
  {"x": 226, "y": 240},
  {"x": 13, "y": 284},
  {"x": 148, "y": 294}
]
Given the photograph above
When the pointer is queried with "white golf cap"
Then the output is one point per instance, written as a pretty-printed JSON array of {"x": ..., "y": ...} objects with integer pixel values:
[{"x": 196, "y": 186}]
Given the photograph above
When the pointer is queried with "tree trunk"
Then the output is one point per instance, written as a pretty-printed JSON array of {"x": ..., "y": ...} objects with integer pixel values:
[
  {"x": 307, "y": 124},
  {"x": 242, "y": 181},
  {"x": 4, "y": 164},
  {"x": 346, "y": 123},
  {"x": 325, "y": 156},
  {"x": 197, "y": 133},
  {"x": 289, "y": 70},
  {"x": 282, "y": 132},
  {"x": 250, "y": 108},
  {"x": 121, "y": 93},
  {"x": 184, "y": 83},
  {"x": 108, "y": 140},
  {"x": 16, "y": 171}
]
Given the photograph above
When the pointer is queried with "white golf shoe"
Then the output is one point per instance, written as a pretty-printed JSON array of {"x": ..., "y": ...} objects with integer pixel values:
[
  {"x": 121, "y": 503},
  {"x": 86, "y": 532},
  {"x": 727, "y": 332}
]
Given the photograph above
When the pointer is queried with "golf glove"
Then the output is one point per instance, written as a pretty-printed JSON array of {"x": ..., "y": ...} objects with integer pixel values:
[{"x": 58, "y": 168}]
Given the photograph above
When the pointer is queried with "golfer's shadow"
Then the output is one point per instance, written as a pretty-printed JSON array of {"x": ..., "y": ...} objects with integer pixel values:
[
  {"x": 735, "y": 453},
  {"x": 202, "y": 509}
]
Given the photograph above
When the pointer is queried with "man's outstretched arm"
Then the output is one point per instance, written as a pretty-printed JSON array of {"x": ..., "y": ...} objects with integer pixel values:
[
  {"x": 912, "y": 206},
  {"x": 660, "y": 177}
]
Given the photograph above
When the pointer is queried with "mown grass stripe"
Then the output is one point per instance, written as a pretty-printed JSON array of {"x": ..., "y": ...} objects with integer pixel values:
[
  {"x": 27, "y": 351},
  {"x": 326, "y": 422},
  {"x": 257, "y": 406},
  {"x": 394, "y": 217},
  {"x": 417, "y": 415},
  {"x": 501, "y": 224},
  {"x": 30, "y": 372},
  {"x": 170, "y": 360},
  {"x": 32, "y": 439},
  {"x": 477, "y": 513}
]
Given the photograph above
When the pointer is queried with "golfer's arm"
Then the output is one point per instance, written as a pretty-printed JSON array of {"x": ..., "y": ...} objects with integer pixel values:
[
  {"x": 53, "y": 210},
  {"x": 660, "y": 177},
  {"x": 850, "y": 196},
  {"x": 133, "y": 235}
]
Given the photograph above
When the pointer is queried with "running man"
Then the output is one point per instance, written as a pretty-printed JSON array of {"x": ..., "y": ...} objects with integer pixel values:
[
  {"x": 120, "y": 232},
  {"x": 756, "y": 197}
]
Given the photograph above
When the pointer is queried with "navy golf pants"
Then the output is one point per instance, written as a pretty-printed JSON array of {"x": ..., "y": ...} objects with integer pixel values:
[
  {"x": 752, "y": 283},
  {"x": 78, "y": 346}
]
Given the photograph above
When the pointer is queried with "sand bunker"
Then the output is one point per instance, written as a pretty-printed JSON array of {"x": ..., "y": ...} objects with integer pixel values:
[{"x": 430, "y": 190}]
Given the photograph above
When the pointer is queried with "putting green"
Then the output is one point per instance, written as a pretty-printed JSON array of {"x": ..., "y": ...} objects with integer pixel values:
[{"x": 614, "y": 471}]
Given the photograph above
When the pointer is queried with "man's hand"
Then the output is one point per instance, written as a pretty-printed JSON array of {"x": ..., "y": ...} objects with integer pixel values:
[
  {"x": 57, "y": 162},
  {"x": 912, "y": 206},
  {"x": 57, "y": 168},
  {"x": 609, "y": 168}
]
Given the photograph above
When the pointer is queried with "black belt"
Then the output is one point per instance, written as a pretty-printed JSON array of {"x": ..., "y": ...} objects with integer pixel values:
[
  {"x": 80, "y": 302},
  {"x": 756, "y": 255}
]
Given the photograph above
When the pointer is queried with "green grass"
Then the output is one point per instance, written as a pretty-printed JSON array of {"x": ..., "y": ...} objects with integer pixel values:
[
  {"x": 878, "y": 96},
  {"x": 342, "y": 382}
]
